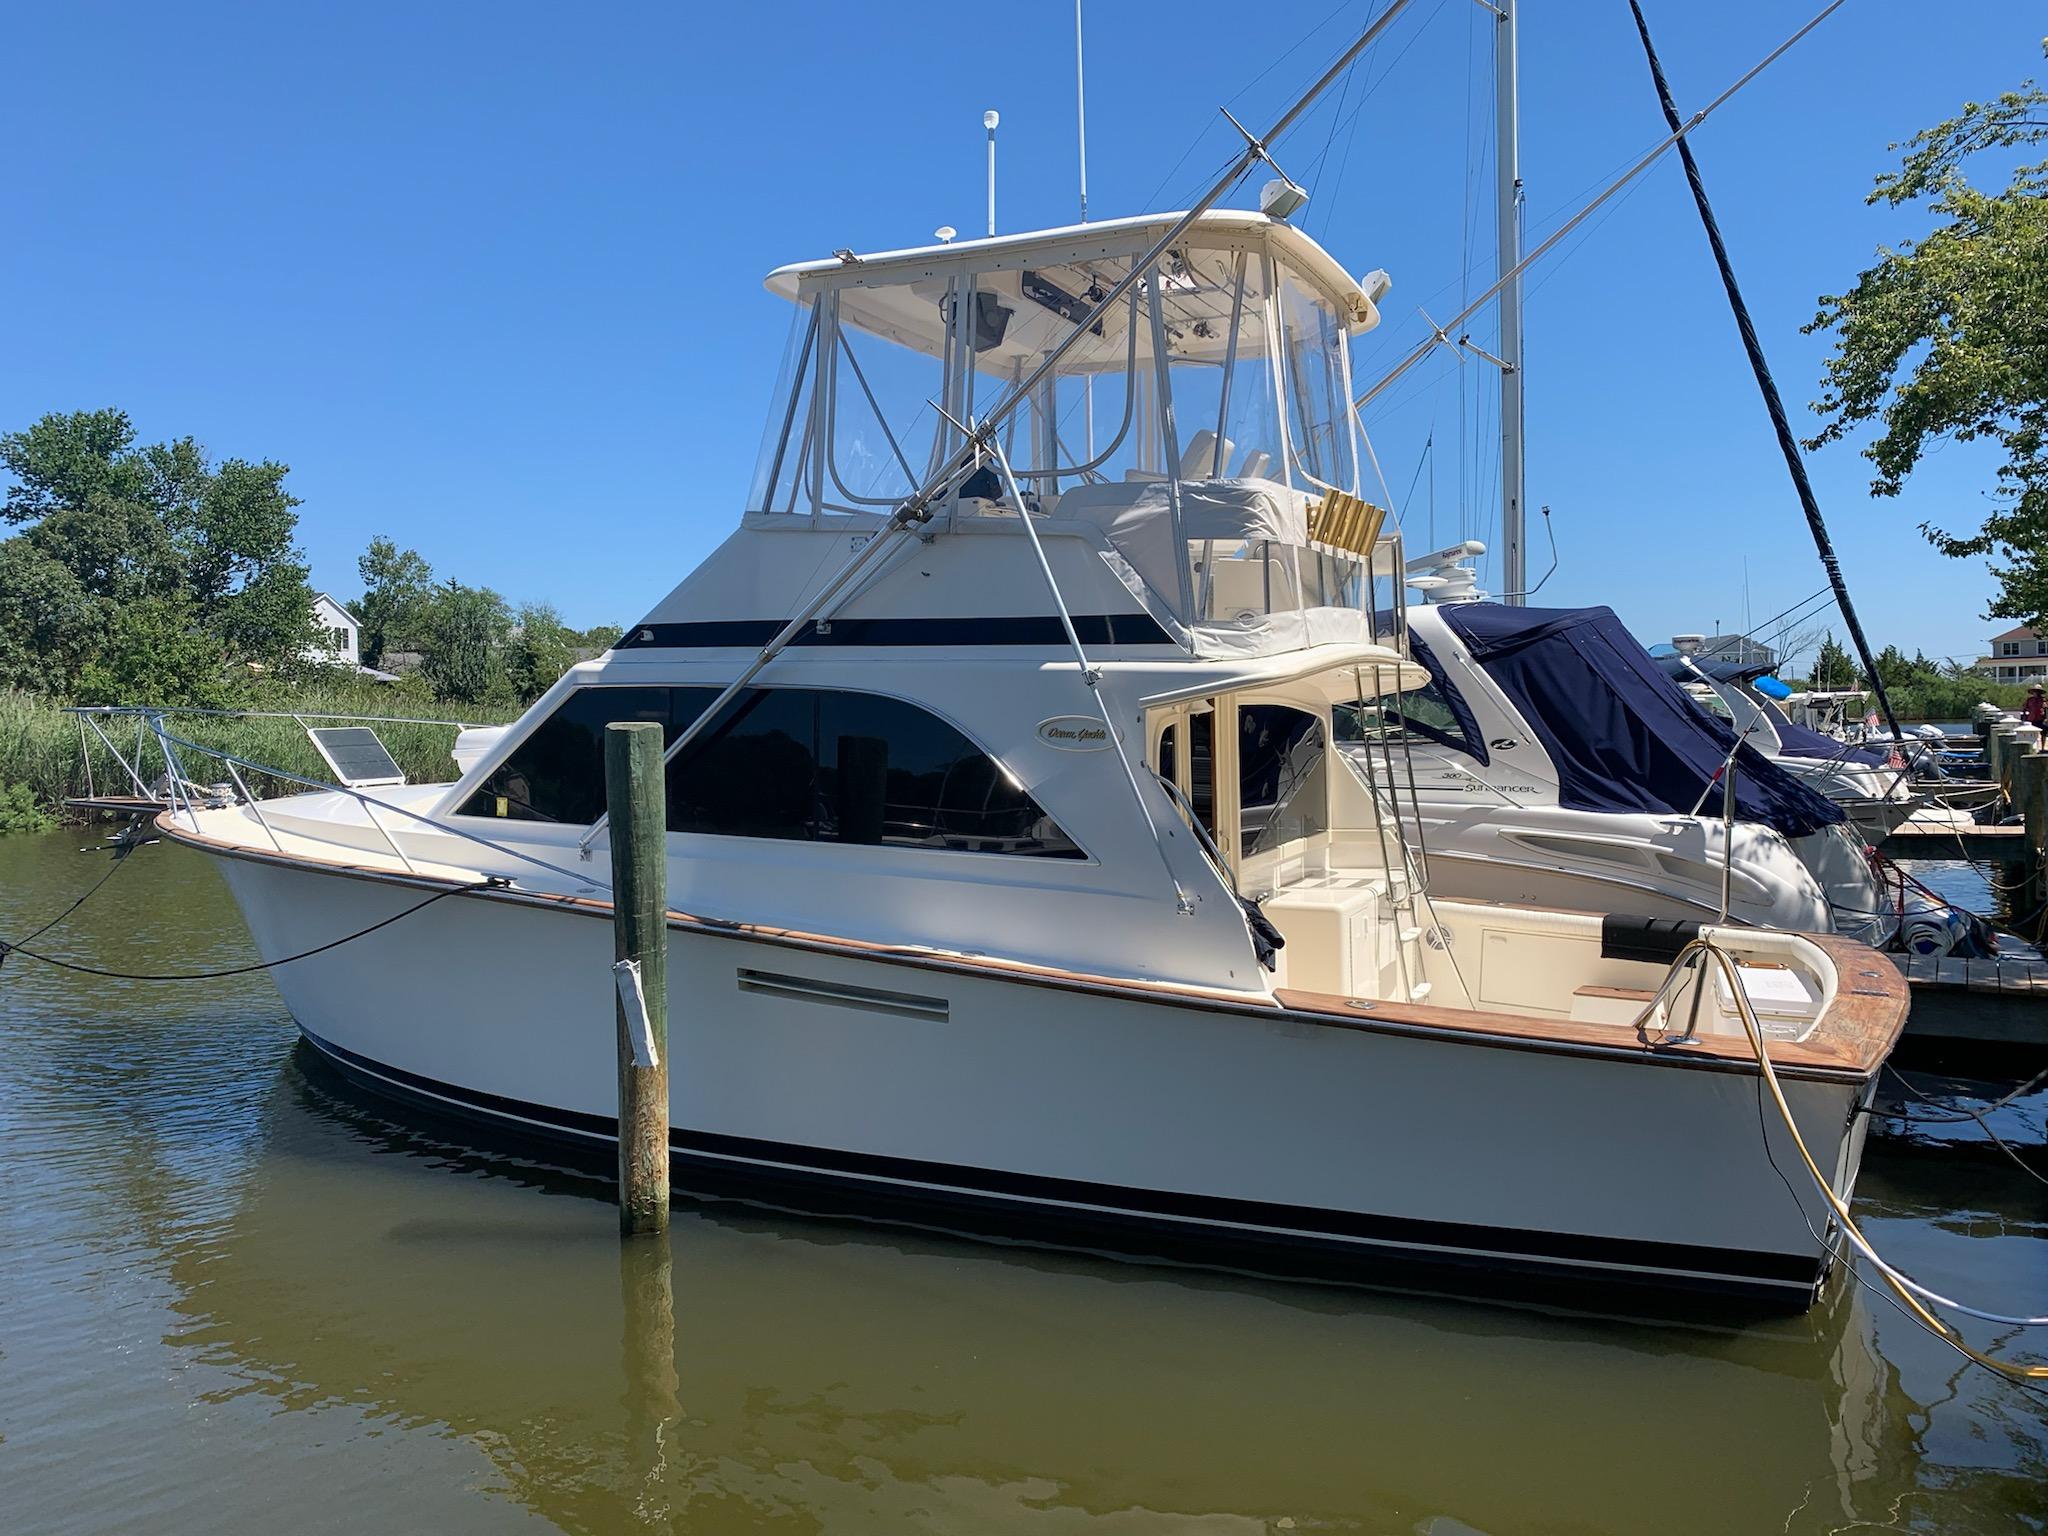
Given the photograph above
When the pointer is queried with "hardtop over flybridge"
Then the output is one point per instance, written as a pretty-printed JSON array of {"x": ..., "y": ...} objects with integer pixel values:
[{"x": 1013, "y": 875}]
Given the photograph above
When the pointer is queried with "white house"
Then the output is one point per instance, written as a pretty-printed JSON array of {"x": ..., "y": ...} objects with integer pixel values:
[
  {"x": 2017, "y": 656},
  {"x": 338, "y": 636}
]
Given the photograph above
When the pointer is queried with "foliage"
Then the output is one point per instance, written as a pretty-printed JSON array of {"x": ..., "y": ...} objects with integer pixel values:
[
  {"x": 125, "y": 551},
  {"x": 151, "y": 574},
  {"x": 602, "y": 637},
  {"x": 20, "y": 812},
  {"x": 155, "y": 652},
  {"x": 40, "y": 745},
  {"x": 1947, "y": 337},
  {"x": 541, "y": 649},
  {"x": 467, "y": 628},
  {"x": 1832, "y": 667},
  {"x": 398, "y": 593},
  {"x": 1919, "y": 688}
]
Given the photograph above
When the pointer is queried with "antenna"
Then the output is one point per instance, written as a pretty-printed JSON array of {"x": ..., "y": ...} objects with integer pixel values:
[
  {"x": 989, "y": 119},
  {"x": 1081, "y": 109},
  {"x": 1507, "y": 159}
]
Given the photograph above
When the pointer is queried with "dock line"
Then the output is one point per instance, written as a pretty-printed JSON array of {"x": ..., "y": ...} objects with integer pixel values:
[{"x": 489, "y": 882}]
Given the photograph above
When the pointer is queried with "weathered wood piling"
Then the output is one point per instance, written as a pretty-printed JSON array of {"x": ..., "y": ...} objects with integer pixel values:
[
  {"x": 637, "y": 804},
  {"x": 2029, "y": 794}
]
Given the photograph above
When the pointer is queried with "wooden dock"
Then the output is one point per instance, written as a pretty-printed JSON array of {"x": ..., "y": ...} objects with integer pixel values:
[
  {"x": 2005, "y": 845},
  {"x": 1991, "y": 1007}
]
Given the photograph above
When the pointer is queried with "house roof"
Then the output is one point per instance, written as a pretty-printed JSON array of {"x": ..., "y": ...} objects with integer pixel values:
[
  {"x": 2017, "y": 632},
  {"x": 338, "y": 605}
]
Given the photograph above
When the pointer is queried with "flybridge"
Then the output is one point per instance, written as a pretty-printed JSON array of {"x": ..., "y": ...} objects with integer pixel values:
[{"x": 1187, "y": 458}]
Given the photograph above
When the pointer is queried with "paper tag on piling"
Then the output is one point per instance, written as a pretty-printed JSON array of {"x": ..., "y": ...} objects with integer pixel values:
[{"x": 639, "y": 1032}]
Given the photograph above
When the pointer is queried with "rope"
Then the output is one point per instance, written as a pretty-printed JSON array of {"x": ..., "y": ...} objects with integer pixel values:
[
  {"x": 120, "y": 858},
  {"x": 489, "y": 882},
  {"x": 1968, "y": 1114},
  {"x": 1914, "y": 1295}
]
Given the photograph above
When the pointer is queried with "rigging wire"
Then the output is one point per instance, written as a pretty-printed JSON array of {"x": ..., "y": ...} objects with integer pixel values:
[
  {"x": 1967, "y": 1114},
  {"x": 1795, "y": 465}
]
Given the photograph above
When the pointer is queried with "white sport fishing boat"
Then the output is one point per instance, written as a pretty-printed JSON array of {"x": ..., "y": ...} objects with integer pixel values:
[{"x": 975, "y": 744}]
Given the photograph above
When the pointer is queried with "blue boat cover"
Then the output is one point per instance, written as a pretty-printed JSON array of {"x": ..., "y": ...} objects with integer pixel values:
[
  {"x": 1800, "y": 741},
  {"x": 1621, "y": 734},
  {"x": 1793, "y": 740}
]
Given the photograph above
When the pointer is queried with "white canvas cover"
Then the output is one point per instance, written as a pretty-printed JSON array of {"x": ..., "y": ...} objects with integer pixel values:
[{"x": 1231, "y": 516}]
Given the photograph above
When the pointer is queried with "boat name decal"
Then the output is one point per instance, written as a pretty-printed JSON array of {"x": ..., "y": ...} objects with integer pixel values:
[{"x": 1074, "y": 733}]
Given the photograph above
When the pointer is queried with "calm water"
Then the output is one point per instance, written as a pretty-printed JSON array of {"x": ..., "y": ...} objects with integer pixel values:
[{"x": 235, "y": 1297}]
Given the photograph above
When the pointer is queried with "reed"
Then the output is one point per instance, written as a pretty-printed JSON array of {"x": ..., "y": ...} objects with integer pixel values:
[{"x": 40, "y": 746}]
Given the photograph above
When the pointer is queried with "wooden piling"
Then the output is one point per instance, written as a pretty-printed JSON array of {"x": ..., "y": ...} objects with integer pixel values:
[
  {"x": 636, "y": 801},
  {"x": 1998, "y": 748},
  {"x": 2030, "y": 795}
]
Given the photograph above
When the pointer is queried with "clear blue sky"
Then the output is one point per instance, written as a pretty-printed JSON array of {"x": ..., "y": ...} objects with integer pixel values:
[{"x": 488, "y": 277}]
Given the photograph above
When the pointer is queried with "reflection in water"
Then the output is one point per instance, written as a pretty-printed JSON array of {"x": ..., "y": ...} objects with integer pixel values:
[{"x": 227, "y": 1272}]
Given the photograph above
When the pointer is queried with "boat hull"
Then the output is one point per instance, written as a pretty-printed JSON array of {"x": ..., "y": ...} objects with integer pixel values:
[{"x": 909, "y": 1086}]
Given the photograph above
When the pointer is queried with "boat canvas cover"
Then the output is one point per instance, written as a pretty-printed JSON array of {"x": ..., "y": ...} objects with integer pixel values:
[
  {"x": 1803, "y": 741},
  {"x": 1622, "y": 735},
  {"x": 1235, "y": 519},
  {"x": 1793, "y": 740}
]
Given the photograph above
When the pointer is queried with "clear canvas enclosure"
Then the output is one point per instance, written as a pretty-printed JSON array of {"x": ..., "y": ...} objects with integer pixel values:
[{"x": 1201, "y": 419}]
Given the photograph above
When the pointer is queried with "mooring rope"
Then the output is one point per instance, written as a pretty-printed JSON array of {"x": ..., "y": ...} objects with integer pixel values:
[
  {"x": 1916, "y": 1297},
  {"x": 489, "y": 882}
]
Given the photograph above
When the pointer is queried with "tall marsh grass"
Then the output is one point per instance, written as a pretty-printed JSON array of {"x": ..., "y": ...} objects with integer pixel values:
[{"x": 40, "y": 744}]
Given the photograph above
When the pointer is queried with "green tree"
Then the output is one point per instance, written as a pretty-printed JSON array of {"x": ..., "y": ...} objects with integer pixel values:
[
  {"x": 107, "y": 524},
  {"x": 602, "y": 637},
  {"x": 1947, "y": 337},
  {"x": 467, "y": 631},
  {"x": 1832, "y": 667},
  {"x": 541, "y": 648},
  {"x": 156, "y": 652},
  {"x": 398, "y": 594},
  {"x": 50, "y": 625}
]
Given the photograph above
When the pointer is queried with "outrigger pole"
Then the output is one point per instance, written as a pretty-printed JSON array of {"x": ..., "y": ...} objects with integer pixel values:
[
  {"x": 1787, "y": 443},
  {"x": 917, "y": 509}
]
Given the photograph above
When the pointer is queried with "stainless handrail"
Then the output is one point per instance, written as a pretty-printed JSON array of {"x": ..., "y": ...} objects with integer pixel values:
[{"x": 166, "y": 740}]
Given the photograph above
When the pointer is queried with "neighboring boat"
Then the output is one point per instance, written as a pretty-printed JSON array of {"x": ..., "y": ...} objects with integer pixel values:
[
  {"x": 1555, "y": 763},
  {"x": 1874, "y": 788},
  {"x": 967, "y": 878}
]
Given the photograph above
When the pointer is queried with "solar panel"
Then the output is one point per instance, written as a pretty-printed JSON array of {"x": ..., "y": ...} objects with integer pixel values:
[{"x": 355, "y": 754}]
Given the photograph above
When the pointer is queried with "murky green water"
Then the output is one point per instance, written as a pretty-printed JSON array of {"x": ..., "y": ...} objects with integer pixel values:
[{"x": 235, "y": 1297}]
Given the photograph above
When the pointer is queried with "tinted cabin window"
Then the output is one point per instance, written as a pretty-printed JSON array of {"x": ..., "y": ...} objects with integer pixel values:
[
  {"x": 1201, "y": 767},
  {"x": 804, "y": 764},
  {"x": 1280, "y": 775}
]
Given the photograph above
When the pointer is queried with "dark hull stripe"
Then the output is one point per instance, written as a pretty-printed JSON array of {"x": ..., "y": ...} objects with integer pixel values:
[
  {"x": 1265, "y": 1236},
  {"x": 1023, "y": 629}
]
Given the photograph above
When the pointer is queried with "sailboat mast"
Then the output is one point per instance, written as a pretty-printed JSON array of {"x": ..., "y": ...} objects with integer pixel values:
[{"x": 1508, "y": 176}]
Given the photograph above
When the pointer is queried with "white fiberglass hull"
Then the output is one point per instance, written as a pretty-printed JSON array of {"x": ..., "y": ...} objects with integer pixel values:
[{"x": 931, "y": 1088}]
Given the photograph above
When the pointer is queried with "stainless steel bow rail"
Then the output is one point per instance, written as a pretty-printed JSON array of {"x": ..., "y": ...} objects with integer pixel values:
[{"x": 177, "y": 792}]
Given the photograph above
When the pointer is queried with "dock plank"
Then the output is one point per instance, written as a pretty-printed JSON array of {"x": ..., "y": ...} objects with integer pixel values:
[
  {"x": 1996, "y": 1004},
  {"x": 2002, "y": 843}
]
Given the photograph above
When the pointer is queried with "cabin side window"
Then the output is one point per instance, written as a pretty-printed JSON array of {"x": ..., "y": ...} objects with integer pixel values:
[{"x": 800, "y": 764}]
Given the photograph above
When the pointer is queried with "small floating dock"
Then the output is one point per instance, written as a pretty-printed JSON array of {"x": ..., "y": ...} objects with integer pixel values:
[
  {"x": 1992, "y": 1007},
  {"x": 2006, "y": 845}
]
